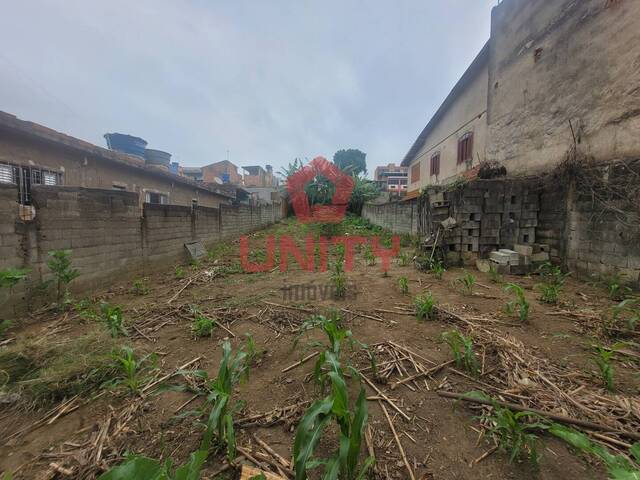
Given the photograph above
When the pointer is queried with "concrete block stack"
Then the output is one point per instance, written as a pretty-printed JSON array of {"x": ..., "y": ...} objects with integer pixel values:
[{"x": 522, "y": 260}]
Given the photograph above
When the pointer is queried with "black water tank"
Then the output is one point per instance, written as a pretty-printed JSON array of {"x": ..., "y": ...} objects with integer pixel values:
[{"x": 121, "y": 142}]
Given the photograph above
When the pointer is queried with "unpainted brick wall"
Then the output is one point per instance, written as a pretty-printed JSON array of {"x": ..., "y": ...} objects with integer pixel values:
[
  {"x": 399, "y": 217},
  {"x": 110, "y": 236}
]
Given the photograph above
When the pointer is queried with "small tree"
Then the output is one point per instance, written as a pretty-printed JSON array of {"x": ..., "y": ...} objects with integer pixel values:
[
  {"x": 352, "y": 161},
  {"x": 60, "y": 265}
]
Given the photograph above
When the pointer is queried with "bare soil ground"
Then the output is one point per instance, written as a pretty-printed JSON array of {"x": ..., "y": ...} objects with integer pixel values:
[{"x": 545, "y": 364}]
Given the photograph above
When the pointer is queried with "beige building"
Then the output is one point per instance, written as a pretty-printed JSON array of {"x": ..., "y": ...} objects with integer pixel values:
[
  {"x": 453, "y": 141},
  {"x": 31, "y": 154},
  {"x": 554, "y": 75}
]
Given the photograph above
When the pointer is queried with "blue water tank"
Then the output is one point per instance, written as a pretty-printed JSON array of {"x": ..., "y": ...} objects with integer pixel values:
[{"x": 126, "y": 143}]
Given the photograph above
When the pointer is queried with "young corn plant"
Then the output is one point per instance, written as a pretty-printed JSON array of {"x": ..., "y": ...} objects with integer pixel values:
[
  {"x": 344, "y": 462},
  {"x": 178, "y": 272},
  {"x": 462, "y": 349},
  {"x": 425, "y": 307},
  {"x": 629, "y": 311},
  {"x": 131, "y": 370},
  {"x": 339, "y": 278},
  {"x": 403, "y": 283},
  {"x": 403, "y": 259},
  {"x": 552, "y": 282},
  {"x": 140, "y": 287},
  {"x": 494, "y": 276},
  {"x": 514, "y": 432},
  {"x": 437, "y": 269},
  {"x": 603, "y": 357},
  {"x": 112, "y": 317},
  {"x": 60, "y": 265},
  {"x": 616, "y": 288},
  {"x": 369, "y": 257},
  {"x": 466, "y": 283},
  {"x": 520, "y": 304}
]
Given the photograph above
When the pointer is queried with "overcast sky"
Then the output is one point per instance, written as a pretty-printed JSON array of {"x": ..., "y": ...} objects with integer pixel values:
[{"x": 266, "y": 80}]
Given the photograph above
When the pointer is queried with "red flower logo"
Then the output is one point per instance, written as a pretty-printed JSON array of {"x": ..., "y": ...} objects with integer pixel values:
[{"x": 307, "y": 213}]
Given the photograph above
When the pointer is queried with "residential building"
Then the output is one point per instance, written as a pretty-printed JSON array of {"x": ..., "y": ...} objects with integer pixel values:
[
  {"x": 257, "y": 176},
  {"x": 194, "y": 173},
  {"x": 392, "y": 178},
  {"x": 224, "y": 171},
  {"x": 31, "y": 154},
  {"x": 554, "y": 76}
]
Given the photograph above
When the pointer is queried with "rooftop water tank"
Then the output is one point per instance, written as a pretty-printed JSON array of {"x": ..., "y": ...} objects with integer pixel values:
[
  {"x": 126, "y": 143},
  {"x": 157, "y": 157}
]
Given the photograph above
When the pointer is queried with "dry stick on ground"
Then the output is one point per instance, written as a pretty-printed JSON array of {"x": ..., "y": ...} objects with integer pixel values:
[
  {"x": 168, "y": 376},
  {"x": 395, "y": 435},
  {"x": 370, "y": 317},
  {"x": 387, "y": 399},
  {"x": 300, "y": 362},
  {"x": 177, "y": 294},
  {"x": 283, "y": 461},
  {"x": 290, "y": 307},
  {"x": 553, "y": 416},
  {"x": 426, "y": 373}
]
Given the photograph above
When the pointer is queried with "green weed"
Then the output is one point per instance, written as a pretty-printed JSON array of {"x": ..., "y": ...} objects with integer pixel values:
[
  {"x": 628, "y": 310},
  {"x": 437, "y": 269},
  {"x": 178, "y": 272},
  {"x": 403, "y": 259},
  {"x": 202, "y": 325},
  {"x": 10, "y": 277},
  {"x": 369, "y": 257},
  {"x": 112, "y": 317},
  {"x": 520, "y": 303},
  {"x": 462, "y": 349},
  {"x": 616, "y": 288},
  {"x": 140, "y": 287},
  {"x": 425, "y": 307}
]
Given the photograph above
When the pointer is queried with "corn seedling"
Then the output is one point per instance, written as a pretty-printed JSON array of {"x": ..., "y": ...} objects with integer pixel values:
[
  {"x": 425, "y": 307},
  {"x": 131, "y": 371},
  {"x": 111, "y": 315},
  {"x": 462, "y": 349},
  {"x": 549, "y": 293},
  {"x": 553, "y": 281},
  {"x": 494, "y": 276},
  {"x": 513, "y": 432},
  {"x": 339, "y": 278},
  {"x": 60, "y": 264},
  {"x": 403, "y": 259},
  {"x": 466, "y": 283},
  {"x": 343, "y": 463},
  {"x": 520, "y": 304},
  {"x": 602, "y": 358},
  {"x": 140, "y": 287},
  {"x": 369, "y": 257},
  {"x": 616, "y": 289},
  {"x": 178, "y": 272},
  {"x": 403, "y": 283},
  {"x": 618, "y": 466},
  {"x": 628, "y": 310},
  {"x": 437, "y": 269}
]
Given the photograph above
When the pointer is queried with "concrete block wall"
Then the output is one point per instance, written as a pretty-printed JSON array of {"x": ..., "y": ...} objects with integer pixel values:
[
  {"x": 110, "y": 236},
  {"x": 399, "y": 217}
]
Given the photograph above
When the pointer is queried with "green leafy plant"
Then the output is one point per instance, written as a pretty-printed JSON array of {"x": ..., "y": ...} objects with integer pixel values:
[
  {"x": 603, "y": 357},
  {"x": 140, "y": 287},
  {"x": 131, "y": 370},
  {"x": 514, "y": 432},
  {"x": 462, "y": 349},
  {"x": 178, "y": 272},
  {"x": 616, "y": 288},
  {"x": 494, "y": 276},
  {"x": 403, "y": 283},
  {"x": 10, "y": 277},
  {"x": 339, "y": 278},
  {"x": 202, "y": 325},
  {"x": 403, "y": 259},
  {"x": 628, "y": 310},
  {"x": 437, "y": 269},
  {"x": 466, "y": 283},
  {"x": 552, "y": 282},
  {"x": 369, "y": 257},
  {"x": 344, "y": 463},
  {"x": 60, "y": 264},
  {"x": 549, "y": 293},
  {"x": 4, "y": 326},
  {"x": 618, "y": 466},
  {"x": 112, "y": 317},
  {"x": 520, "y": 303},
  {"x": 425, "y": 307}
]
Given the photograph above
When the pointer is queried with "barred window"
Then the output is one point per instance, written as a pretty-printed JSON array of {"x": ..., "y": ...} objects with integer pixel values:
[{"x": 6, "y": 174}]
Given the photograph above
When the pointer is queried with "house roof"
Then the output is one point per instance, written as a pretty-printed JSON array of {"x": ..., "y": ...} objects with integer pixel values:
[
  {"x": 476, "y": 66},
  {"x": 254, "y": 169},
  {"x": 39, "y": 132}
]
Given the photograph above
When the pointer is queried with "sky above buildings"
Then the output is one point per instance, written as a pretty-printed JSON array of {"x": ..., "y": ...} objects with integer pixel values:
[{"x": 265, "y": 81}]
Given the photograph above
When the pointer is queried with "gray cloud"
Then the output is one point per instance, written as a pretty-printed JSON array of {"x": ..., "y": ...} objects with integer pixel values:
[{"x": 268, "y": 81}]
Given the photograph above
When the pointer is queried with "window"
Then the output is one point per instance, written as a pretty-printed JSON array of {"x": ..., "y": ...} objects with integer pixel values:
[
  {"x": 465, "y": 148},
  {"x": 415, "y": 173},
  {"x": 157, "y": 198},
  {"x": 435, "y": 164},
  {"x": 6, "y": 174},
  {"x": 50, "y": 178}
]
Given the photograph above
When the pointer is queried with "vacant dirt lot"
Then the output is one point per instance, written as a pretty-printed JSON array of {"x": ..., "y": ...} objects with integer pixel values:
[{"x": 66, "y": 412}]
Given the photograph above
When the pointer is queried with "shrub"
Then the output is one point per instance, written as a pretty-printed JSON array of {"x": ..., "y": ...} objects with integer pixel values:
[
  {"x": 60, "y": 265},
  {"x": 425, "y": 307},
  {"x": 462, "y": 349},
  {"x": 520, "y": 303}
]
